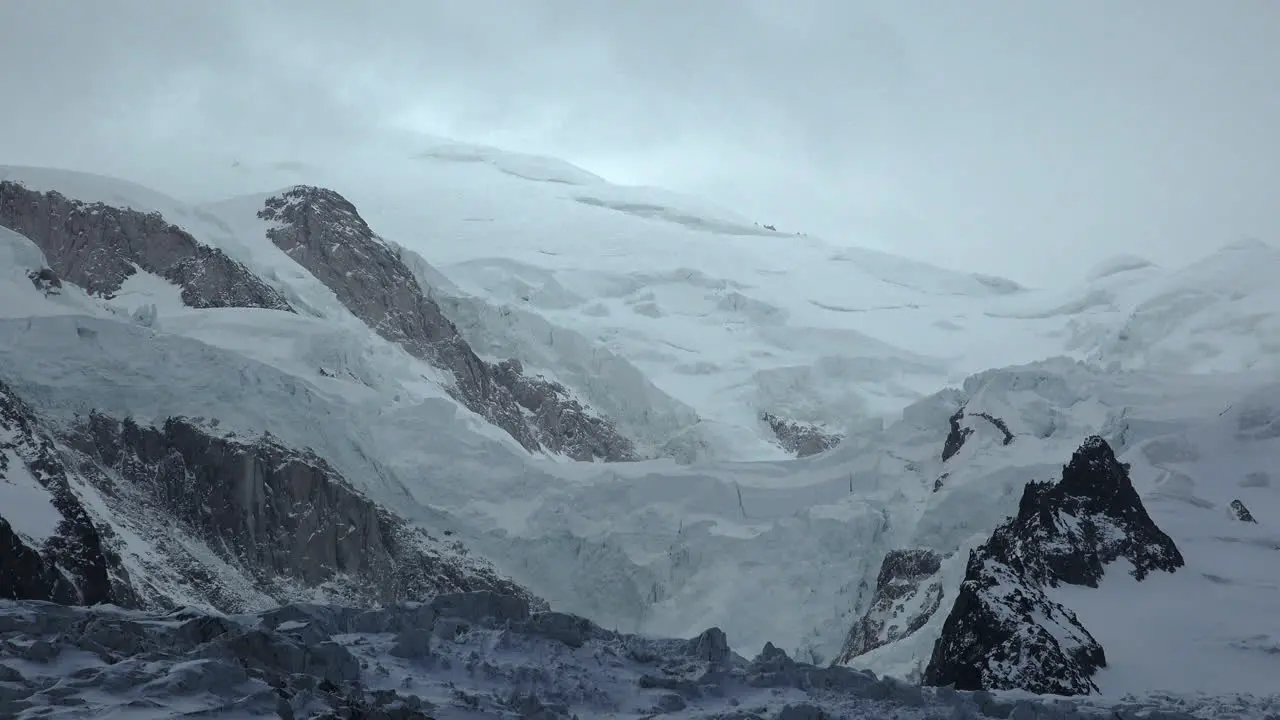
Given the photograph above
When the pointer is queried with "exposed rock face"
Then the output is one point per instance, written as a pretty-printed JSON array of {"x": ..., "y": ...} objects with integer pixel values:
[
  {"x": 559, "y": 422},
  {"x": 325, "y": 234},
  {"x": 477, "y": 654},
  {"x": 956, "y": 437},
  {"x": 800, "y": 439},
  {"x": 907, "y": 594},
  {"x": 959, "y": 433},
  {"x": 97, "y": 247},
  {"x": 284, "y": 519},
  {"x": 1240, "y": 512},
  {"x": 46, "y": 281},
  {"x": 461, "y": 655},
  {"x": 1000, "y": 425},
  {"x": 201, "y": 519},
  {"x": 49, "y": 547},
  {"x": 1004, "y": 632}
]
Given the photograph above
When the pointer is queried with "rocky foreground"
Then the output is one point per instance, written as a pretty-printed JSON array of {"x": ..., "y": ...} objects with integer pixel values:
[{"x": 463, "y": 655}]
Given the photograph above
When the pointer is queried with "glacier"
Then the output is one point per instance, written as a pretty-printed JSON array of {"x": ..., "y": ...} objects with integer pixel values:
[{"x": 684, "y": 323}]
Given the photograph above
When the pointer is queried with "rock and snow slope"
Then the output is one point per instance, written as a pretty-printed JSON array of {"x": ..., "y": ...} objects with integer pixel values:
[
  {"x": 99, "y": 246},
  {"x": 1003, "y": 630},
  {"x": 735, "y": 321},
  {"x": 464, "y": 655},
  {"x": 684, "y": 326},
  {"x": 1192, "y": 453},
  {"x": 111, "y": 512}
]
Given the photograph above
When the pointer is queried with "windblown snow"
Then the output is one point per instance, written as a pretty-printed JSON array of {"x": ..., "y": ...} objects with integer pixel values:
[{"x": 684, "y": 323}]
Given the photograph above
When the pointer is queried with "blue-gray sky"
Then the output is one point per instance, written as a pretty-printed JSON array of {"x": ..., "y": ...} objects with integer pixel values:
[{"x": 1028, "y": 139}]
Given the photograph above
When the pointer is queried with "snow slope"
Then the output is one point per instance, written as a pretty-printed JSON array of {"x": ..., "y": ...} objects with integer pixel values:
[
  {"x": 719, "y": 314},
  {"x": 697, "y": 320},
  {"x": 732, "y": 320},
  {"x": 1212, "y": 625},
  {"x": 28, "y": 505}
]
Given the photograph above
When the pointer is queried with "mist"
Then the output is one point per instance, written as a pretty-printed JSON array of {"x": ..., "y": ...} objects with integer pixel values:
[{"x": 1017, "y": 139}]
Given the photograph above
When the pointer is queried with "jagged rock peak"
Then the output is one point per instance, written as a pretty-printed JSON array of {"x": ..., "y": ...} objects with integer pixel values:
[
  {"x": 1095, "y": 490},
  {"x": 1004, "y": 631},
  {"x": 308, "y": 201},
  {"x": 98, "y": 246},
  {"x": 1094, "y": 471}
]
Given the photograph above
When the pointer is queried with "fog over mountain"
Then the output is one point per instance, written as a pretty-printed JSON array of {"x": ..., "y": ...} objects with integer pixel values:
[
  {"x": 1026, "y": 141},
  {"x": 717, "y": 360}
]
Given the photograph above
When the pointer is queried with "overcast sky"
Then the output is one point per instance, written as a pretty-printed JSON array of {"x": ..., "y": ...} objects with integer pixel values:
[{"x": 1023, "y": 138}]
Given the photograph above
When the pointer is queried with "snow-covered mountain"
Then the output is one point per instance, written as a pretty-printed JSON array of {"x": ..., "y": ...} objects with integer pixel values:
[
  {"x": 1065, "y": 533},
  {"x": 358, "y": 387}
]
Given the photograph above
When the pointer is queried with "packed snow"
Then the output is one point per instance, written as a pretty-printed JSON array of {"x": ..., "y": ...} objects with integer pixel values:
[
  {"x": 687, "y": 322},
  {"x": 28, "y": 506}
]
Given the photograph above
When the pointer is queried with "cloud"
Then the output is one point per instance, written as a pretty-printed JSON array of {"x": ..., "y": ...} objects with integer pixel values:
[{"x": 1023, "y": 139}]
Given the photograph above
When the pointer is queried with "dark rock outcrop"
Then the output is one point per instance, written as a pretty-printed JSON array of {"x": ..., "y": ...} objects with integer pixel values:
[
  {"x": 959, "y": 433},
  {"x": 323, "y": 232},
  {"x": 956, "y": 436},
  {"x": 224, "y": 666},
  {"x": 282, "y": 518},
  {"x": 97, "y": 247},
  {"x": 1240, "y": 512},
  {"x": 205, "y": 519},
  {"x": 907, "y": 594},
  {"x": 24, "y": 573},
  {"x": 46, "y": 281},
  {"x": 559, "y": 422},
  {"x": 68, "y": 562},
  {"x": 800, "y": 439},
  {"x": 1004, "y": 632},
  {"x": 1000, "y": 425},
  {"x": 461, "y": 655}
]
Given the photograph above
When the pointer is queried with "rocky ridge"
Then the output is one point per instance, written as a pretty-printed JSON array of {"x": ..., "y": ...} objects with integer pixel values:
[
  {"x": 460, "y": 655},
  {"x": 959, "y": 433},
  {"x": 324, "y": 233},
  {"x": 159, "y": 517},
  {"x": 50, "y": 548},
  {"x": 98, "y": 247},
  {"x": 1004, "y": 631}
]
